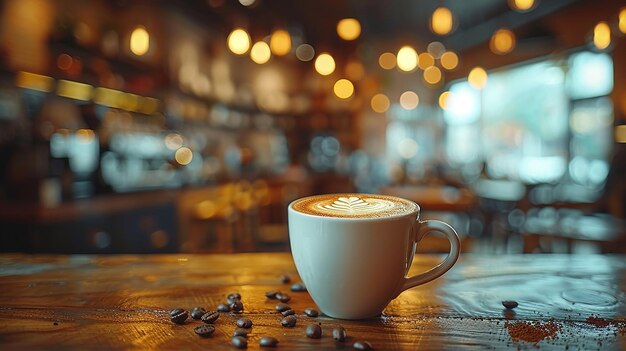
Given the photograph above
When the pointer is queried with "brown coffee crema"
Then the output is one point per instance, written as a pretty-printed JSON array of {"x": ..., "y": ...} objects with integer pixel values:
[{"x": 354, "y": 206}]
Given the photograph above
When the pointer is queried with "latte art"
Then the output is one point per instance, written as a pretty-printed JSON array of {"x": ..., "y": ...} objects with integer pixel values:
[{"x": 354, "y": 206}]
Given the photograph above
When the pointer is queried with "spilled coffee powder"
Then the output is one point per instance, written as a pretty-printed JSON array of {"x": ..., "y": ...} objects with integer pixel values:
[
  {"x": 532, "y": 331},
  {"x": 598, "y": 322}
]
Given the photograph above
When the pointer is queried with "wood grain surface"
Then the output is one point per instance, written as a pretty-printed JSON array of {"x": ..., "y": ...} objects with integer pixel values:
[{"x": 122, "y": 302}]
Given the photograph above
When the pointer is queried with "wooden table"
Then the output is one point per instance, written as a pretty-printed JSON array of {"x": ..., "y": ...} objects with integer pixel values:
[{"x": 122, "y": 302}]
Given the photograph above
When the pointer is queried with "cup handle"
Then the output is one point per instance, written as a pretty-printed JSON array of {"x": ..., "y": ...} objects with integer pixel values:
[{"x": 424, "y": 228}]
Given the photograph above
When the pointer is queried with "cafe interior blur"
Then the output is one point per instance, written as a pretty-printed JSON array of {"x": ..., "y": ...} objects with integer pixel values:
[{"x": 189, "y": 126}]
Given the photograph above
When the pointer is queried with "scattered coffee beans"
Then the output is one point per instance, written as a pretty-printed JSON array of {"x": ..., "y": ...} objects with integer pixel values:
[
  {"x": 283, "y": 297},
  {"x": 233, "y": 296},
  {"x": 288, "y": 312},
  {"x": 281, "y": 307},
  {"x": 271, "y": 294},
  {"x": 298, "y": 287},
  {"x": 240, "y": 332},
  {"x": 204, "y": 330},
  {"x": 289, "y": 321},
  {"x": 244, "y": 323},
  {"x": 313, "y": 331},
  {"x": 210, "y": 317},
  {"x": 239, "y": 342},
  {"x": 268, "y": 341},
  {"x": 311, "y": 312},
  {"x": 285, "y": 279},
  {"x": 236, "y": 306},
  {"x": 197, "y": 312},
  {"x": 178, "y": 315},
  {"x": 339, "y": 334},
  {"x": 223, "y": 307},
  {"x": 362, "y": 345},
  {"x": 510, "y": 304}
]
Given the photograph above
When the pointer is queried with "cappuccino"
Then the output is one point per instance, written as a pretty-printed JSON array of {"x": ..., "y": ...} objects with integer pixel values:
[{"x": 354, "y": 206}]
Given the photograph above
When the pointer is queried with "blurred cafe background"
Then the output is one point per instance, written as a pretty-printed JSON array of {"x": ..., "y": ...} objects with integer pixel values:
[{"x": 188, "y": 126}]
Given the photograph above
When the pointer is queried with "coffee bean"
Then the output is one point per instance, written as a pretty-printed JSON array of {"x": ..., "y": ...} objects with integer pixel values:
[
  {"x": 339, "y": 334},
  {"x": 271, "y": 294},
  {"x": 178, "y": 315},
  {"x": 311, "y": 312},
  {"x": 298, "y": 287},
  {"x": 240, "y": 332},
  {"x": 289, "y": 321},
  {"x": 236, "y": 306},
  {"x": 197, "y": 312},
  {"x": 210, "y": 317},
  {"x": 285, "y": 279},
  {"x": 204, "y": 330},
  {"x": 313, "y": 331},
  {"x": 233, "y": 296},
  {"x": 281, "y": 307},
  {"x": 244, "y": 323},
  {"x": 362, "y": 345},
  {"x": 239, "y": 342},
  {"x": 268, "y": 341},
  {"x": 283, "y": 297},
  {"x": 223, "y": 307},
  {"x": 510, "y": 304},
  {"x": 288, "y": 312}
]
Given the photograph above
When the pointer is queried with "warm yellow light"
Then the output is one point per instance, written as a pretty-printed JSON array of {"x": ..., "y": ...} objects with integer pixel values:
[
  {"x": 85, "y": 136},
  {"x": 343, "y": 88},
  {"x": 441, "y": 21},
  {"x": 280, "y": 43},
  {"x": 239, "y": 41},
  {"x": 407, "y": 58},
  {"x": 139, "y": 41},
  {"x": 425, "y": 60},
  {"x": 620, "y": 134},
  {"x": 34, "y": 81},
  {"x": 355, "y": 70},
  {"x": 477, "y": 78},
  {"x": 305, "y": 52},
  {"x": 260, "y": 52},
  {"x": 602, "y": 35},
  {"x": 387, "y": 60},
  {"x": 622, "y": 20},
  {"x": 173, "y": 141},
  {"x": 107, "y": 97},
  {"x": 443, "y": 99},
  {"x": 521, "y": 5},
  {"x": 74, "y": 90},
  {"x": 325, "y": 64},
  {"x": 349, "y": 29},
  {"x": 502, "y": 42},
  {"x": 380, "y": 103},
  {"x": 449, "y": 60},
  {"x": 409, "y": 100},
  {"x": 432, "y": 75},
  {"x": 183, "y": 156}
]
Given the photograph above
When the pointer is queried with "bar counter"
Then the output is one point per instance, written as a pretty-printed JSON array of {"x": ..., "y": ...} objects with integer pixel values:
[{"x": 123, "y": 302}]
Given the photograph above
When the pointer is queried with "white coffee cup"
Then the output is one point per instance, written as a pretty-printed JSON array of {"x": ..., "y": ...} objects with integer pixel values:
[{"x": 354, "y": 266}]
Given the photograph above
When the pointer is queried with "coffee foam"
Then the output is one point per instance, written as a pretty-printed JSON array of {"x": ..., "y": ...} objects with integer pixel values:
[{"x": 354, "y": 206}]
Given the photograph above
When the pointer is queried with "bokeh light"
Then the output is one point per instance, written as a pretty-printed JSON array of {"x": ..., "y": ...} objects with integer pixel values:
[
  {"x": 521, "y": 5},
  {"x": 139, "y": 41},
  {"x": 409, "y": 100},
  {"x": 305, "y": 52},
  {"x": 436, "y": 49},
  {"x": 602, "y": 35},
  {"x": 449, "y": 60},
  {"x": 280, "y": 42},
  {"x": 387, "y": 60},
  {"x": 477, "y": 78},
  {"x": 183, "y": 156},
  {"x": 407, "y": 58},
  {"x": 502, "y": 42},
  {"x": 443, "y": 99},
  {"x": 343, "y": 88},
  {"x": 239, "y": 41},
  {"x": 432, "y": 75},
  {"x": 260, "y": 52},
  {"x": 441, "y": 21},
  {"x": 425, "y": 60},
  {"x": 380, "y": 103},
  {"x": 349, "y": 29},
  {"x": 325, "y": 64}
]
